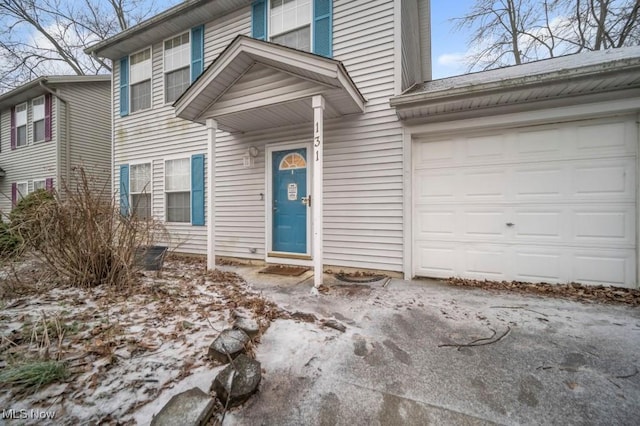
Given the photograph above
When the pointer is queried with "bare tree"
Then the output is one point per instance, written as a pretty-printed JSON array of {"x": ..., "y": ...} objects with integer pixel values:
[
  {"x": 43, "y": 37},
  {"x": 506, "y": 32}
]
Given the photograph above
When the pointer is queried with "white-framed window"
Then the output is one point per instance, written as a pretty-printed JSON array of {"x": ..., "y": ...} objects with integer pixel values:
[
  {"x": 140, "y": 190},
  {"x": 37, "y": 106},
  {"x": 22, "y": 190},
  {"x": 177, "y": 66},
  {"x": 39, "y": 184},
  {"x": 140, "y": 80},
  {"x": 177, "y": 188},
  {"x": 21, "y": 125},
  {"x": 290, "y": 23}
]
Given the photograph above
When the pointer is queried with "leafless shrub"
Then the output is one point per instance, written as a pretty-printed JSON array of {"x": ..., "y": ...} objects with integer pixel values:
[{"x": 81, "y": 237}]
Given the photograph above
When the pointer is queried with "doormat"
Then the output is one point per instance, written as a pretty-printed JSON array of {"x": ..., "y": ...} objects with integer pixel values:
[{"x": 289, "y": 271}]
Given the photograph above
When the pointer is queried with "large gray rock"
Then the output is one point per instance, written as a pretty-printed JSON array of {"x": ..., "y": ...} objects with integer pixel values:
[
  {"x": 248, "y": 325},
  {"x": 230, "y": 341},
  {"x": 189, "y": 408},
  {"x": 238, "y": 381}
]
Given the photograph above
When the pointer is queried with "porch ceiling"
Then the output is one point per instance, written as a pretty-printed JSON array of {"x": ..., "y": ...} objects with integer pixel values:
[{"x": 256, "y": 85}]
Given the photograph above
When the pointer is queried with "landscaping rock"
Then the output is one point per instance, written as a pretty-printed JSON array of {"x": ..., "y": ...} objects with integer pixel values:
[
  {"x": 238, "y": 381},
  {"x": 189, "y": 408},
  {"x": 331, "y": 323},
  {"x": 248, "y": 325},
  {"x": 230, "y": 341}
]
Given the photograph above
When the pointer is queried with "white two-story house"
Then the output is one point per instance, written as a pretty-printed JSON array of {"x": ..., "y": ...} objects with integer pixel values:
[
  {"x": 49, "y": 126},
  {"x": 308, "y": 132}
]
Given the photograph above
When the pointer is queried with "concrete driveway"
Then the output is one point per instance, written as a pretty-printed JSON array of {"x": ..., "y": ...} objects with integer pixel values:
[{"x": 537, "y": 360}]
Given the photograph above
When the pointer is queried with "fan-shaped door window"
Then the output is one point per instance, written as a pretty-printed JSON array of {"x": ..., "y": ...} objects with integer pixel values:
[{"x": 293, "y": 161}]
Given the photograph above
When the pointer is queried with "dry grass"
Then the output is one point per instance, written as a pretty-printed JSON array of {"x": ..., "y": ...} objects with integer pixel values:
[
  {"x": 33, "y": 375},
  {"x": 81, "y": 237}
]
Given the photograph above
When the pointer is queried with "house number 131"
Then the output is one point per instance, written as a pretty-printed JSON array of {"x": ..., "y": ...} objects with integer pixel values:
[{"x": 316, "y": 143}]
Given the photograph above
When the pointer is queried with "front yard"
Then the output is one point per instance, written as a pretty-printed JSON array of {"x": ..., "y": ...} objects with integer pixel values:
[{"x": 109, "y": 353}]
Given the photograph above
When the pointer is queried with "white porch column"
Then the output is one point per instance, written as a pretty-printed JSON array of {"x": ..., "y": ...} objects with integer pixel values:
[
  {"x": 317, "y": 190},
  {"x": 212, "y": 126}
]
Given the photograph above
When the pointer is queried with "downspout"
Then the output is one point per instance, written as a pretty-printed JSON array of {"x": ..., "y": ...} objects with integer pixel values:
[{"x": 67, "y": 136}]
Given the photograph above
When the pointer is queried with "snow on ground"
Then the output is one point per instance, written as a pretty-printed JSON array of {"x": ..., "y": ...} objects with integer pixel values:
[{"x": 127, "y": 353}]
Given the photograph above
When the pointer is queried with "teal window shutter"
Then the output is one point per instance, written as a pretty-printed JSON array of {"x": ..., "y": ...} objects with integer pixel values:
[
  {"x": 259, "y": 19},
  {"x": 197, "y": 52},
  {"x": 323, "y": 27},
  {"x": 124, "y": 86},
  {"x": 197, "y": 189},
  {"x": 124, "y": 190}
]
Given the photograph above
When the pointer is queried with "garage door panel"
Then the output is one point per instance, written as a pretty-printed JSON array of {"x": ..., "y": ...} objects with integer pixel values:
[
  {"x": 437, "y": 152},
  {"x": 605, "y": 225},
  {"x": 436, "y": 186},
  {"x": 612, "y": 267},
  {"x": 539, "y": 142},
  {"x": 542, "y": 265},
  {"x": 484, "y": 223},
  {"x": 485, "y": 262},
  {"x": 436, "y": 224},
  {"x": 538, "y": 225},
  {"x": 539, "y": 183},
  {"x": 485, "y": 148},
  {"x": 601, "y": 138},
  {"x": 608, "y": 180},
  {"x": 484, "y": 184},
  {"x": 436, "y": 260},
  {"x": 568, "y": 191}
]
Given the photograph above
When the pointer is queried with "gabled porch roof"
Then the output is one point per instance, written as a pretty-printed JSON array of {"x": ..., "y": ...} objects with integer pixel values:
[{"x": 258, "y": 85}]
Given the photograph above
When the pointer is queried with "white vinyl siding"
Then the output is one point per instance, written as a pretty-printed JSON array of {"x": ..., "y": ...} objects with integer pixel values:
[
  {"x": 140, "y": 80},
  {"x": 27, "y": 162},
  {"x": 363, "y": 175},
  {"x": 177, "y": 188},
  {"x": 290, "y": 23},
  {"x": 89, "y": 136},
  {"x": 21, "y": 125},
  {"x": 38, "y": 119},
  {"x": 140, "y": 189},
  {"x": 177, "y": 61}
]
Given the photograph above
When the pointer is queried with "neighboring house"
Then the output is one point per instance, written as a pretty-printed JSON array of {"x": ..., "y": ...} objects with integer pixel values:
[
  {"x": 301, "y": 132},
  {"x": 47, "y": 127}
]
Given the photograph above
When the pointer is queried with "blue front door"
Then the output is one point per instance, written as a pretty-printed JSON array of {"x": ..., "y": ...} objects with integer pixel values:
[{"x": 289, "y": 213}]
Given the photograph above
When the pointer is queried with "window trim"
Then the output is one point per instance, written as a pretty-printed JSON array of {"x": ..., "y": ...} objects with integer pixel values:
[
  {"x": 150, "y": 191},
  {"x": 19, "y": 195},
  {"x": 131, "y": 84},
  {"x": 44, "y": 183},
  {"x": 270, "y": 36},
  {"x": 164, "y": 188},
  {"x": 164, "y": 72},
  {"x": 43, "y": 119},
  {"x": 26, "y": 125}
]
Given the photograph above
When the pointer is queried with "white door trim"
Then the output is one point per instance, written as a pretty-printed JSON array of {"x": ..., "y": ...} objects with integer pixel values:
[{"x": 270, "y": 149}]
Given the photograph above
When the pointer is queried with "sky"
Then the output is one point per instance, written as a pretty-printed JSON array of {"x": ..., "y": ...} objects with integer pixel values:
[{"x": 447, "y": 45}]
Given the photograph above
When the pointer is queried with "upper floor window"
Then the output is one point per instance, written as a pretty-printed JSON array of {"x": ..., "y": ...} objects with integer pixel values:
[
  {"x": 177, "y": 60},
  {"x": 140, "y": 71},
  {"x": 21, "y": 124},
  {"x": 290, "y": 23},
  {"x": 38, "y": 119}
]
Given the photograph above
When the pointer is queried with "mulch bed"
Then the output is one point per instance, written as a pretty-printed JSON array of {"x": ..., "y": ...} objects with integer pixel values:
[{"x": 573, "y": 291}]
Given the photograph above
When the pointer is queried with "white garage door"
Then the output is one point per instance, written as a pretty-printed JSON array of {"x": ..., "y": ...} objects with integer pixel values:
[{"x": 545, "y": 203}]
